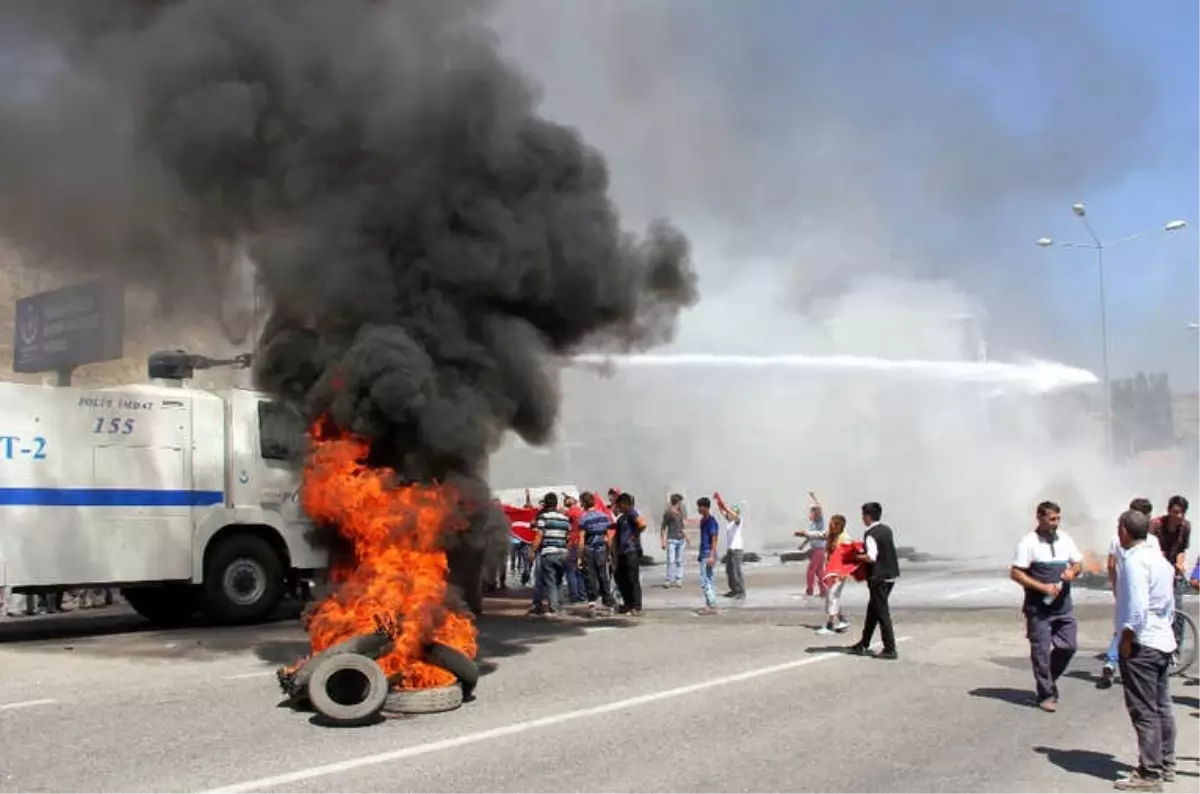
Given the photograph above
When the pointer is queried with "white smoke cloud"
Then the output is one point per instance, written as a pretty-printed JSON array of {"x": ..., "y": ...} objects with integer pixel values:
[{"x": 848, "y": 193}]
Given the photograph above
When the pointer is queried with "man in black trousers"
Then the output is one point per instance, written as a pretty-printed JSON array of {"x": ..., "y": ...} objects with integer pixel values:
[{"x": 883, "y": 568}]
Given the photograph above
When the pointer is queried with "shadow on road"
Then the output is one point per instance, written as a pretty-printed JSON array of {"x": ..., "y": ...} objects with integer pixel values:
[
  {"x": 506, "y": 636},
  {"x": 115, "y": 620},
  {"x": 1011, "y": 662},
  {"x": 106, "y": 622},
  {"x": 1085, "y": 762},
  {"x": 828, "y": 649},
  {"x": 1186, "y": 702},
  {"x": 1017, "y": 697},
  {"x": 1083, "y": 675}
]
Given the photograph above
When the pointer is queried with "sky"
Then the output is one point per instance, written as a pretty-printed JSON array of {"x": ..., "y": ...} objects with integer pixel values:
[
  {"x": 854, "y": 178},
  {"x": 817, "y": 151}
]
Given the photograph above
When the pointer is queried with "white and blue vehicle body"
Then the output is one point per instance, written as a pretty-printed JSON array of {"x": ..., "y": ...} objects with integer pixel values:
[{"x": 184, "y": 498}]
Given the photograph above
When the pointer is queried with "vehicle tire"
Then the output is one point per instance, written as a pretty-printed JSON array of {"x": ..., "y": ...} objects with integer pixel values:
[
  {"x": 424, "y": 701},
  {"x": 457, "y": 662},
  {"x": 1187, "y": 648},
  {"x": 166, "y": 605},
  {"x": 348, "y": 689},
  {"x": 295, "y": 685},
  {"x": 243, "y": 580}
]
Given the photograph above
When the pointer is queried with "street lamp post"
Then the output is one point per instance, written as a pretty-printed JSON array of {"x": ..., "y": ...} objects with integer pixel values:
[{"x": 1096, "y": 245}]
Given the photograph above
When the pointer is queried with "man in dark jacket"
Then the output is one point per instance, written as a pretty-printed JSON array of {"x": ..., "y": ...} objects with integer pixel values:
[
  {"x": 883, "y": 568},
  {"x": 628, "y": 547}
]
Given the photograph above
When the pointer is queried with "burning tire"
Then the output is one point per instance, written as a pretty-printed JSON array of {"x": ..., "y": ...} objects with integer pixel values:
[
  {"x": 457, "y": 662},
  {"x": 348, "y": 689},
  {"x": 295, "y": 684},
  {"x": 243, "y": 580},
  {"x": 443, "y": 698},
  {"x": 424, "y": 701}
]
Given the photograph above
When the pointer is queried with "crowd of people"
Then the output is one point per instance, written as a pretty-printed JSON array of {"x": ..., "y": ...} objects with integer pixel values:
[
  {"x": 1147, "y": 567},
  {"x": 584, "y": 551},
  {"x": 590, "y": 552}
]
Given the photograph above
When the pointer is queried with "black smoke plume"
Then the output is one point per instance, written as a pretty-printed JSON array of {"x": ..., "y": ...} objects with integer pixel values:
[{"x": 427, "y": 241}]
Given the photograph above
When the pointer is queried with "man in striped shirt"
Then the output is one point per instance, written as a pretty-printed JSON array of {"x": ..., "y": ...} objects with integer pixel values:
[{"x": 552, "y": 530}]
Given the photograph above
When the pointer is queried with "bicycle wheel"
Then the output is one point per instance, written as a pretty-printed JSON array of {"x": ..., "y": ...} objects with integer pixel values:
[{"x": 1186, "y": 655}]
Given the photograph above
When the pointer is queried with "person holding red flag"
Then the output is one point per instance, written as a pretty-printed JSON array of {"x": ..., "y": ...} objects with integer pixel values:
[{"x": 734, "y": 548}]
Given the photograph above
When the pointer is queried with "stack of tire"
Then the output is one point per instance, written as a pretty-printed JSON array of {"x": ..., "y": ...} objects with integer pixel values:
[{"x": 346, "y": 686}]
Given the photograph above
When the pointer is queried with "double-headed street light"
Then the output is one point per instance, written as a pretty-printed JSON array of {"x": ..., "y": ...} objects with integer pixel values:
[{"x": 1096, "y": 245}]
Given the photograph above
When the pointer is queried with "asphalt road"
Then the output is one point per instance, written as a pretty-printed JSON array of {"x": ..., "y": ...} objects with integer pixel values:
[{"x": 750, "y": 700}]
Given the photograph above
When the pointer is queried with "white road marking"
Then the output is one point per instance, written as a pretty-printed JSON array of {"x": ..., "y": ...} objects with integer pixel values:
[
  {"x": 240, "y": 676},
  {"x": 598, "y": 629},
  {"x": 412, "y": 751},
  {"x": 25, "y": 704}
]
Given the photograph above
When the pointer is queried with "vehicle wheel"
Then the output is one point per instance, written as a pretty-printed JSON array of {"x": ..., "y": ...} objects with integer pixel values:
[
  {"x": 1186, "y": 653},
  {"x": 243, "y": 580},
  {"x": 457, "y": 662},
  {"x": 424, "y": 701},
  {"x": 168, "y": 605},
  {"x": 348, "y": 689}
]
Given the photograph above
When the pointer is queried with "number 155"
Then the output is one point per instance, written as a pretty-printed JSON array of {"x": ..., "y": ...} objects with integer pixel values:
[{"x": 114, "y": 425}]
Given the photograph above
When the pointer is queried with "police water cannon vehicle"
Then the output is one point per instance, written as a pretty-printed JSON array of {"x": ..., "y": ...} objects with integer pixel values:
[{"x": 184, "y": 498}]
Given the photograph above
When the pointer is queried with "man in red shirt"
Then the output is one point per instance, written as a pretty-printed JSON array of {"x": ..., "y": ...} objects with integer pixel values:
[{"x": 574, "y": 567}]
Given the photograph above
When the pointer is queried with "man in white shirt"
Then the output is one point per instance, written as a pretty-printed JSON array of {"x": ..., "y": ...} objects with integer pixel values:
[
  {"x": 1046, "y": 562},
  {"x": 1145, "y": 620},
  {"x": 1143, "y": 506},
  {"x": 734, "y": 550}
]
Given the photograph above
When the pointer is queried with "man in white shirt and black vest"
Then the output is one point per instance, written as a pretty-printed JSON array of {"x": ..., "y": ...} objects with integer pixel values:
[
  {"x": 1145, "y": 619},
  {"x": 883, "y": 569}
]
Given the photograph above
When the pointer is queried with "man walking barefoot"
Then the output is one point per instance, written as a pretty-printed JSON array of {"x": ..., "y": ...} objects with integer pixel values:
[
  {"x": 1046, "y": 562},
  {"x": 1145, "y": 618}
]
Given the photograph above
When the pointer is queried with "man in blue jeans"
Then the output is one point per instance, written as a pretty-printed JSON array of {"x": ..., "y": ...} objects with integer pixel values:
[
  {"x": 552, "y": 530},
  {"x": 674, "y": 540},
  {"x": 709, "y": 530}
]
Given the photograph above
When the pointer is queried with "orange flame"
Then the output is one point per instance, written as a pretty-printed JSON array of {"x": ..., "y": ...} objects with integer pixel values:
[
  {"x": 399, "y": 569},
  {"x": 1093, "y": 563}
]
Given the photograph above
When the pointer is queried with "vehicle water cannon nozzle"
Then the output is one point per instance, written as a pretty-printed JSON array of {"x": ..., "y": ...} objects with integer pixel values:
[{"x": 181, "y": 365}]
